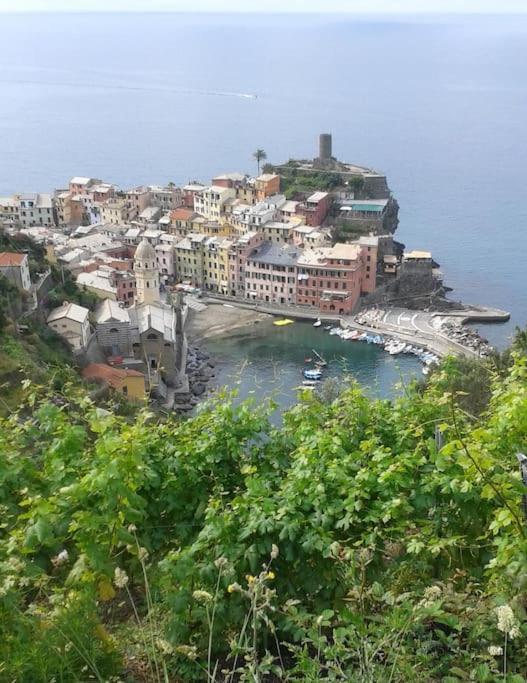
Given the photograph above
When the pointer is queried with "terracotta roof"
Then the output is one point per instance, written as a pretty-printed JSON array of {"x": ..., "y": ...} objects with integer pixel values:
[
  {"x": 112, "y": 376},
  {"x": 181, "y": 214},
  {"x": 10, "y": 258}
]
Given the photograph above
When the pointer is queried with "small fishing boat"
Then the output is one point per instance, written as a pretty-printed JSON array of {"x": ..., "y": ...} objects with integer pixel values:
[
  {"x": 313, "y": 374},
  {"x": 308, "y": 360},
  {"x": 327, "y": 328},
  {"x": 309, "y": 383},
  {"x": 318, "y": 323},
  {"x": 284, "y": 321},
  {"x": 320, "y": 362}
]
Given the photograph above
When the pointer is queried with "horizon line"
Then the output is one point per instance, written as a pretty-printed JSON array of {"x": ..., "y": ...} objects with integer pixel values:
[{"x": 421, "y": 12}]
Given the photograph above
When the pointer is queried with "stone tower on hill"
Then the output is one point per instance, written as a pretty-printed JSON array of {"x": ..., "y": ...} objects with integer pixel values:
[{"x": 146, "y": 274}]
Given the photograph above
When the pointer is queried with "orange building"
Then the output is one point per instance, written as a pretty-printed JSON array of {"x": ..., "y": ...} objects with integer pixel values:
[
  {"x": 266, "y": 185},
  {"x": 131, "y": 383}
]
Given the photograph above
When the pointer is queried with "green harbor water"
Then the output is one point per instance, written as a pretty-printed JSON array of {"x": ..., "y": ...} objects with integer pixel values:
[{"x": 265, "y": 361}]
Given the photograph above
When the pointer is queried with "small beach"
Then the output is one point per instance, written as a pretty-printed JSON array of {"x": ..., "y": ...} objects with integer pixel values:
[{"x": 219, "y": 320}]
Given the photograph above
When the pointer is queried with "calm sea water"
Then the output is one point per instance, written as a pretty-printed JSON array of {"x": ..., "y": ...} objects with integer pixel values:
[
  {"x": 439, "y": 104},
  {"x": 268, "y": 360}
]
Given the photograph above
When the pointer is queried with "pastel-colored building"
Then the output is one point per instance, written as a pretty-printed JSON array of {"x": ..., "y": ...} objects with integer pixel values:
[
  {"x": 216, "y": 264},
  {"x": 82, "y": 184},
  {"x": 139, "y": 198},
  {"x": 270, "y": 273},
  {"x": 15, "y": 268},
  {"x": 330, "y": 278},
  {"x": 130, "y": 383},
  {"x": 315, "y": 208},
  {"x": 238, "y": 255},
  {"x": 190, "y": 258},
  {"x": 188, "y": 192},
  {"x": 166, "y": 261},
  {"x": 210, "y": 201},
  {"x": 266, "y": 185},
  {"x": 35, "y": 208},
  {"x": 369, "y": 245},
  {"x": 165, "y": 198},
  {"x": 181, "y": 221},
  {"x": 117, "y": 211}
]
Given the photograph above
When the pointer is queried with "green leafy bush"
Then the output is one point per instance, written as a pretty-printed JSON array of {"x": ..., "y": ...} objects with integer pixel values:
[{"x": 363, "y": 540}]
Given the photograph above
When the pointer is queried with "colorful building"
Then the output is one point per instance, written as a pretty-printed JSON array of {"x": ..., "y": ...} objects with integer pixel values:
[
  {"x": 270, "y": 273},
  {"x": 130, "y": 383},
  {"x": 315, "y": 208},
  {"x": 330, "y": 278},
  {"x": 266, "y": 185}
]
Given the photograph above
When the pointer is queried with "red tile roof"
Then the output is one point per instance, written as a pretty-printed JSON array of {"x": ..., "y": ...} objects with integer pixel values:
[
  {"x": 181, "y": 214},
  {"x": 10, "y": 258},
  {"x": 113, "y": 376}
]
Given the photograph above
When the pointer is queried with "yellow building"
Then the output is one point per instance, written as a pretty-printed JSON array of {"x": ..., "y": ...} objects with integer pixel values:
[
  {"x": 130, "y": 383},
  {"x": 189, "y": 256},
  {"x": 216, "y": 264}
]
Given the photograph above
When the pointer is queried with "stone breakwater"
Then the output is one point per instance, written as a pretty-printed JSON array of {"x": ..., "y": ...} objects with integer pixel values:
[{"x": 200, "y": 372}]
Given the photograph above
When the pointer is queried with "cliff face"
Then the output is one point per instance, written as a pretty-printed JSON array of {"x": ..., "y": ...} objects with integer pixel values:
[{"x": 416, "y": 290}]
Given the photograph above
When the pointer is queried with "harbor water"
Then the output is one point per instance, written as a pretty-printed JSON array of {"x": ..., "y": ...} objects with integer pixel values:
[{"x": 265, "y": 360}]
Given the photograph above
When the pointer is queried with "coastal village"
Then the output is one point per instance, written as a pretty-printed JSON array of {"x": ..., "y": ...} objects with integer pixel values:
[{"x": 307, "y": 239}]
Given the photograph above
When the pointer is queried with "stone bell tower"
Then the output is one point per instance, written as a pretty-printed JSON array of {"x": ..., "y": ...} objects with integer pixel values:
[{"x": 146, "y": 274}]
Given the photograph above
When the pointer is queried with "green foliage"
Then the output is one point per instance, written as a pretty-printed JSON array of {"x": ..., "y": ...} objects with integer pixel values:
[
  {"x": 345, "y": 545},
  {"x": 295, "y": 181},
  {"x": 66, "y": 289}
]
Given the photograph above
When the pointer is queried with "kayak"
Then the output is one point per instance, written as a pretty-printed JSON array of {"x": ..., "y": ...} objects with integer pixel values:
[{"x": 284, "y": 321}]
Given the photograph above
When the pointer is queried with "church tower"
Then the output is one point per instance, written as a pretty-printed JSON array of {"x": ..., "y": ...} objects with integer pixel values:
[{"x": 146, "y": 274}]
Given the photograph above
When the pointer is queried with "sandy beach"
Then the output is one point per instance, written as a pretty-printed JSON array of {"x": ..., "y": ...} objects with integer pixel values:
[{"x": 218, "y": 319}]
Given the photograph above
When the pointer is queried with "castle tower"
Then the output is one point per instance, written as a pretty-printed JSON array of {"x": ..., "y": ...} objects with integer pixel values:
[
  {"x": 325, "y": 151},
  {"x": 146, "y": 274}
]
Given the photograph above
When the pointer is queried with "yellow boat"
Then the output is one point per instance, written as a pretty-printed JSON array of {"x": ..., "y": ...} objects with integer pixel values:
[{"x": 281, "y": 323}]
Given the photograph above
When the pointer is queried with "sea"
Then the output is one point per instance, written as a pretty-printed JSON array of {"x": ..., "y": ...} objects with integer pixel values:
[{"x": 437, "y": 102}]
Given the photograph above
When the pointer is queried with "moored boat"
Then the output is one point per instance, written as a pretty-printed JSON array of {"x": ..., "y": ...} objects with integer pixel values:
[
  {"x": 313, "y": 374},
  {"x": 282, "y": 322}
]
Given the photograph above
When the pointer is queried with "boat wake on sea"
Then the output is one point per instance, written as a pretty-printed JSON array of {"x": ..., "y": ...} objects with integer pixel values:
[{"x": 137, "y": 88}]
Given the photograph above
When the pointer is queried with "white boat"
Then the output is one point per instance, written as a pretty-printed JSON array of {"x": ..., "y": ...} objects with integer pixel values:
[
  {"x": 309, "y": 383},
  {"x": 396, "y": 348},
  {"x": 312, "y": 374},
  {"x": 318, "y": 323}
]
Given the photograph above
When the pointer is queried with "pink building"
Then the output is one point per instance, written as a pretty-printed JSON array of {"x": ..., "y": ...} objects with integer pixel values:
[
  {"x": 125, "y": 285},
  {"x": 270, "y": 273},
  {"x": 330, "y": 278},
  {"x": 315, "y": 208},
  {"x": 238, "y": 255},
  {"x": 369, "y": 245},
  {"x": 189, "y": 192}
]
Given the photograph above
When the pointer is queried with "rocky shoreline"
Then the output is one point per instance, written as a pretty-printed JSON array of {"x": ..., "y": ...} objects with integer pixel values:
[{"x": 200, "y": 372}]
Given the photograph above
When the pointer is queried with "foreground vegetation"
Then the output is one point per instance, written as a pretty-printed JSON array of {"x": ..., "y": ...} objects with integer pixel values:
[{"x": 361, "y": 541}]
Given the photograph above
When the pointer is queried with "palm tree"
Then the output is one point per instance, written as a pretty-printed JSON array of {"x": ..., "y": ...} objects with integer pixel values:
[{"x": 260, "y": 156}]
